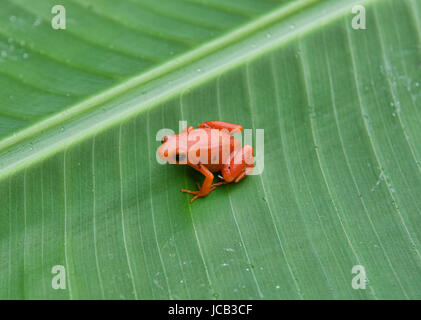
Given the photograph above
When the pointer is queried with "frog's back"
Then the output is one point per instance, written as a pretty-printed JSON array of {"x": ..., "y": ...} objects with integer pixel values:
[{"x": 219, "y": 145}]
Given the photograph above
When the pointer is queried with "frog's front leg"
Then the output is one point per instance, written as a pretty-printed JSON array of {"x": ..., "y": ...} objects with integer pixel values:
[
  {"x": 206, "y": 187},
  {"x": 239, "y": 164},
  {"x": 220, "y": 125}
]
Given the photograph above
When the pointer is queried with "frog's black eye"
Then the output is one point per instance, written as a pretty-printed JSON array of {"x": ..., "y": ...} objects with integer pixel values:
[
  {"x": 179, "y": 157},
  {"x": 165, "y": 139}
]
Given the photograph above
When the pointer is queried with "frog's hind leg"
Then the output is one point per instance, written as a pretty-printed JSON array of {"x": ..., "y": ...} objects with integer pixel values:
[
  {"x": 240, "y": 164},
  {"x": 220, "y": 125}
]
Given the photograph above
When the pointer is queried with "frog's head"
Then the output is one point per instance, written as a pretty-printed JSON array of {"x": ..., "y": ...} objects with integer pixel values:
[{"x": 174, "y": 148}]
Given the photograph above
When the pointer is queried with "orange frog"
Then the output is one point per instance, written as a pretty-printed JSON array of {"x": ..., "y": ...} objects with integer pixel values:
[{"x": 210, "y": 148}]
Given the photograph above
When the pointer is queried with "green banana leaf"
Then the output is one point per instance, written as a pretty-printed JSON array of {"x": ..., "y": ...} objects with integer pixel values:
[{"x": 335, "y": 212}]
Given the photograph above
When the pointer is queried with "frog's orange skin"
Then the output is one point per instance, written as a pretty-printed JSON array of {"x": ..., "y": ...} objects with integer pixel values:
[{"x": 233, "y": 162}]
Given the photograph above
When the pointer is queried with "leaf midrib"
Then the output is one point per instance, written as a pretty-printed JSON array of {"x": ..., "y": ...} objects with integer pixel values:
[
  {"x": 16, "y": 157},
  {"x": 177, "y": 63}
]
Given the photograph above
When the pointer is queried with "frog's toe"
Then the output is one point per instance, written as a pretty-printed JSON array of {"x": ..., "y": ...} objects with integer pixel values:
[
  {"x": 196, "y": 194},
  {"x": 194, "y": 198},
  {"x": 219, "y": 184},
  {"x": 189, "y": 191}
]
